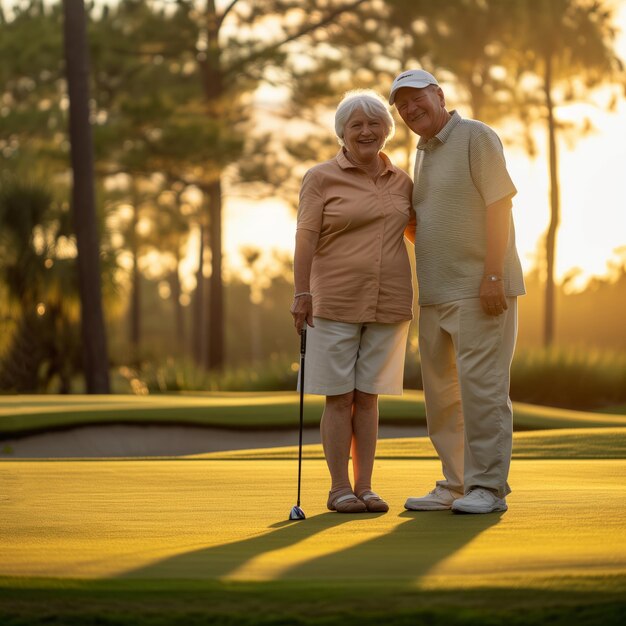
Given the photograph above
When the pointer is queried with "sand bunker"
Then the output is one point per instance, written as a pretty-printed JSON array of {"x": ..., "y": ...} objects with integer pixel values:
[{"x": 142, "y": 441}]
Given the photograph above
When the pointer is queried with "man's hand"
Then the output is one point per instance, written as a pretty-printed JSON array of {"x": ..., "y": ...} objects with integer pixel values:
[
  {"x": 492, "y": 298},
  {"x": 302, "y": 311},
  {"x": 497, "y": 225}
]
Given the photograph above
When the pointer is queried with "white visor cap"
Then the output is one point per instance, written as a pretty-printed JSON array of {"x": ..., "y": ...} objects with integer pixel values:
[{"x": 417, "y": 79}]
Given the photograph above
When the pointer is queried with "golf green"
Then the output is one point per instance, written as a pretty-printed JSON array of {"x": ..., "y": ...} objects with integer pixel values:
[
  {"x": 222, "y": 519},
  {"x": 205, "y": 540}
]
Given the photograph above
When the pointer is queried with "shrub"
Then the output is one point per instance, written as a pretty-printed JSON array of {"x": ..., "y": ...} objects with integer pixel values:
[
  {"x": 575, "y": 378},
  {"x": 578, "y": 378}
]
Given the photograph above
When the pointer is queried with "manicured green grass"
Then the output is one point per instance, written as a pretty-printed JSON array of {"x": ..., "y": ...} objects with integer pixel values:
[
  {"x": 28, "y": 414},
  {"x": 569, "y": 443},
  {"x": 293, "y": 603},
  {"x": 619, "y": 409},
  {"x": 205, "y": 539}
]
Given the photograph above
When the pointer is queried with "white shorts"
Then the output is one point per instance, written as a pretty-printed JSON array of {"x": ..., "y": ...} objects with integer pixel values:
[{"x": 341, "y": 357}]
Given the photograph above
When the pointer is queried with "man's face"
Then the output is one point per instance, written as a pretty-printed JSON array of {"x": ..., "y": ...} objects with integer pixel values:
[{"x": 423, "y": 110}]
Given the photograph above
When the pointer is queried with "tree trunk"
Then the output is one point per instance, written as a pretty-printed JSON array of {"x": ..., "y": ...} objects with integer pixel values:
[
  {"x": 256, "y": 350},
  {"x": 212, "y": 81},
  {"x": 134, "y": 321},
  {"x": 95, "y": 355},
  {"x": 549, "y": 313},
  {"x": 178, "y": 307},
  {"x": 216, "y": 287},
  {"x": 199, "y": 309}
]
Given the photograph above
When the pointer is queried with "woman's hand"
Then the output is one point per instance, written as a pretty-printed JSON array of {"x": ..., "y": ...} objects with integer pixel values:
[{"x": 302, "y": 311}]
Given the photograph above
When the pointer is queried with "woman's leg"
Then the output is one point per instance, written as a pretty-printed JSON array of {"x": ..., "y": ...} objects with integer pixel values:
[
  {"x": 365, "y": 435},
  {"x": 336, "y": 431},
  {"x": 379, "y": 369}
]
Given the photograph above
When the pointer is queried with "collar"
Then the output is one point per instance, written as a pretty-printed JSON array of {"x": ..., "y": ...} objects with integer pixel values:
[
  {"x": 443, "y": 135},
  {"x": 345, "y": 164}
]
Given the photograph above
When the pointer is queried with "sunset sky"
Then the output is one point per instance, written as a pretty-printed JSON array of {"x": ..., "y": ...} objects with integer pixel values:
[{"x": 593, "y": 195}]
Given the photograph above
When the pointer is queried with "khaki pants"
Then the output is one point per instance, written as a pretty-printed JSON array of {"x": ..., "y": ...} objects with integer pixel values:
[{"x": 466, "y": 358}]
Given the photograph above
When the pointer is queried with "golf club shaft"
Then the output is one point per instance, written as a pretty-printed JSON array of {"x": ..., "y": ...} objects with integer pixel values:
[{"x": 302, "y": 354}]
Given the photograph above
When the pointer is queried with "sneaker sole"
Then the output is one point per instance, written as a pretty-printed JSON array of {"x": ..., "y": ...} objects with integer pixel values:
[
  {"x": 423, "y": 507},
  {"x": 496, "y": 509}
]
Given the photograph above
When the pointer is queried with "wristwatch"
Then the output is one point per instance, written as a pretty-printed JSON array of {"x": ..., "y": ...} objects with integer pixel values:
[{"x": 493, "y": 278}]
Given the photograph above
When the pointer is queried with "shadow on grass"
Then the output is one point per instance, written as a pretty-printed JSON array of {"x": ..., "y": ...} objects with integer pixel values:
[
  {"x": 220, "y": 561},
  {"x": 410, "y": 550}
]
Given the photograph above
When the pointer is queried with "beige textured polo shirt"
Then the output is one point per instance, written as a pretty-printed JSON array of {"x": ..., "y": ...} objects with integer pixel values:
[
  {"x": 360, "y": 270},
  {"x": 459, "y": 172}
]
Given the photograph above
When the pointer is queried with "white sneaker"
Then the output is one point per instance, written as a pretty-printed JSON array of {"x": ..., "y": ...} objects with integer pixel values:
[
  {"x": 479, "y": 500},
  {"x": 439, "y": 499}
]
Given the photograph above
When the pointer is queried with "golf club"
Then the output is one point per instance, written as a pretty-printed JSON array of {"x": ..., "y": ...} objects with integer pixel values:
[{"x": 296, "y": 512}]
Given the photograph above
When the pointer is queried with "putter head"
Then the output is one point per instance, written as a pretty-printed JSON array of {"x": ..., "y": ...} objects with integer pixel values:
[{"x": 296, "y": 513}]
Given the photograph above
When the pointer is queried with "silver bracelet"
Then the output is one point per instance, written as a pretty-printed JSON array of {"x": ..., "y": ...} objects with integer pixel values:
[{"x": 303, "y": 293}]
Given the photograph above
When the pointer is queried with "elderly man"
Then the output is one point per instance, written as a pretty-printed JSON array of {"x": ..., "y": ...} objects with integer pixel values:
[{"x": 469, "y": 277}]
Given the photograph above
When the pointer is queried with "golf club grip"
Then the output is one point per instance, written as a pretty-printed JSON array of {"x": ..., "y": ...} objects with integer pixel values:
[{"x": 303, "y": 341}]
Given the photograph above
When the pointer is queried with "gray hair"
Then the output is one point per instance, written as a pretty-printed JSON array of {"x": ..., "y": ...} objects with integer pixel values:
[{"x": 371, "y": 103}]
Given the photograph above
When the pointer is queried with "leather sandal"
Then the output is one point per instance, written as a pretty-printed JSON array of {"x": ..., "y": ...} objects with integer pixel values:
[
  {"x": 346, "y": 503},
  {"x": 373, "y": 502}
]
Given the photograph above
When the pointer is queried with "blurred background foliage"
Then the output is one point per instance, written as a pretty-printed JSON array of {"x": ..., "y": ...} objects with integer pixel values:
[{"x": 181, "y": 123}]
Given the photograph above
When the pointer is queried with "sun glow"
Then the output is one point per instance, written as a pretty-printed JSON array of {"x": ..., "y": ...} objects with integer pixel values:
[{"x": 592, "y": 232}]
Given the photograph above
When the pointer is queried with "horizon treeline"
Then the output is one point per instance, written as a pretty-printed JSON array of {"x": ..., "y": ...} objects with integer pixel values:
[{"x": 259, "y": 330}]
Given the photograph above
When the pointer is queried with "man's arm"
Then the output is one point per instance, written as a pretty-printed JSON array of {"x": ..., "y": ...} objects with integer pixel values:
[
  {"x": 497, "y": 224},
  {"x": 409, "y": 231}
]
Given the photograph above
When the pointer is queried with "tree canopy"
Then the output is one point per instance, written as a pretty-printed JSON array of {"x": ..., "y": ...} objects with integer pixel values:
[{"x": 175, "y": 90}]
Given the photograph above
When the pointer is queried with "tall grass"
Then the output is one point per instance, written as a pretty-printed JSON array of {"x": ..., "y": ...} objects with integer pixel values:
[
  {"x": 576, "y": 378},
  {"x": 276, "y": 374}
]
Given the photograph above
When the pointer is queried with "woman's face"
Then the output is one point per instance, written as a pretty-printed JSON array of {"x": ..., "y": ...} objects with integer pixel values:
[{"x": 363, "y": 136}]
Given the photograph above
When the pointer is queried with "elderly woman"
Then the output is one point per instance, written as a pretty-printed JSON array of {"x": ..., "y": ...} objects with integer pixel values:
[{"x": 353, "y": 290}]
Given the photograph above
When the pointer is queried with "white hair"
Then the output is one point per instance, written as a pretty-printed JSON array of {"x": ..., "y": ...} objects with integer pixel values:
[{"x": 371, "y": 103}]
